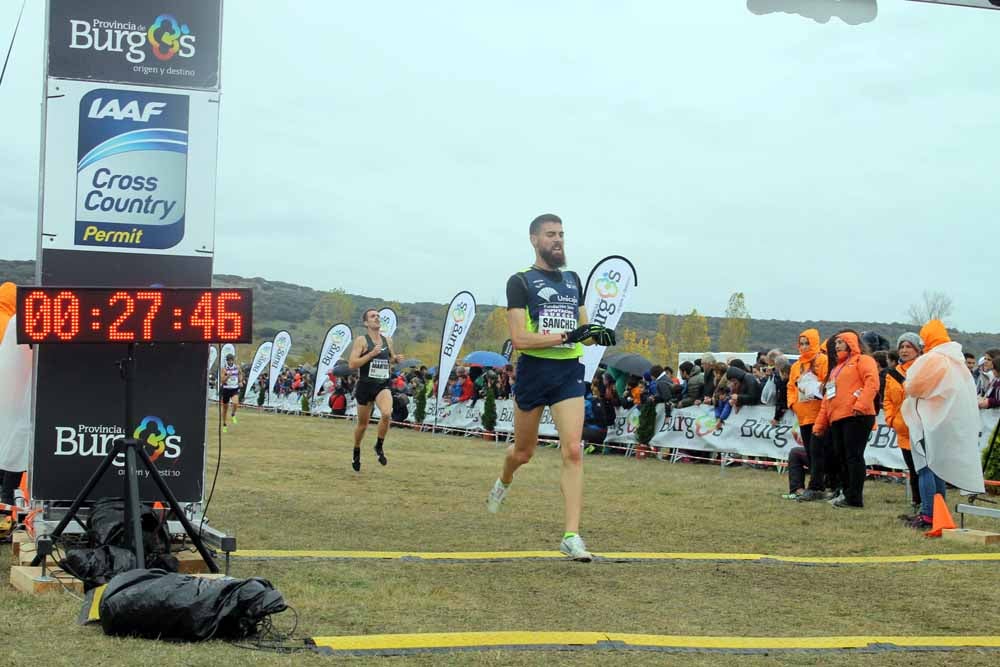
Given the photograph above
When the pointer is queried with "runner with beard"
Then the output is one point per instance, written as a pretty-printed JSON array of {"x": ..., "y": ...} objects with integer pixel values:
[
  {"x": 548, "y": 326},
  {"x": 372, "y": 354}
]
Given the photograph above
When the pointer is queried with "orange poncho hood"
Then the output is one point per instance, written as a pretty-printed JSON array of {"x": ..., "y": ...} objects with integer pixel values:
[
  {"x": 812, "y": 335},
  {"x": 933, "y": 334}
]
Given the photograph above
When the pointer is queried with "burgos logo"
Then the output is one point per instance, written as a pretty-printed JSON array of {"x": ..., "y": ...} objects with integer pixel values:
[
  {"x": 458, "y": 312},
  {"x": 158, "y": 436},
  {"x": 171, "y": 38},
  {"x": 607, "y": 285},
  {"x": 166, "y": 36},
  {"x": 337, "y": 343},
  {"x": 385, "y": 321},
  {"x": 97, "y": 441}
]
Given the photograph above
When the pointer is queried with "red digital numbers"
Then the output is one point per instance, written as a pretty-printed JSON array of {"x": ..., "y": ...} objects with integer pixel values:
[
  {"x": 230, "y": 323},
  {"x": 46, "y": 315},
  {"x": 121, "y": 315},
  {"x": 201, "y": 316}
]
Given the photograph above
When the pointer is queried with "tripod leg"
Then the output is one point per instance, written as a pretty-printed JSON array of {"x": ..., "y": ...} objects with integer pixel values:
[
  {"x": 178, "y": 512},
  {"x": 82, "y": 496},
  {"x": 133, "y": 512}
]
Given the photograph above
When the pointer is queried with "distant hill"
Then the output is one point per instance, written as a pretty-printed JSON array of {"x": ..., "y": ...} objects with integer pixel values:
[{"x": 279, "y": 305}]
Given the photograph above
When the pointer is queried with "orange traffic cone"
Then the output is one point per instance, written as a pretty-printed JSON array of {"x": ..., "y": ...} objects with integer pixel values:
[{"x": 942, "y": 517}]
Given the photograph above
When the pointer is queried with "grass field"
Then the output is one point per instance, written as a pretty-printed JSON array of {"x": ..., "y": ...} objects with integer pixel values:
[{"x": 286, "y": 483}]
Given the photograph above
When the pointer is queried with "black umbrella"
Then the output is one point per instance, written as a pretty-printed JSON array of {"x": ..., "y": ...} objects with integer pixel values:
[
  {"x": 341, "y": 369},
  {"x": 409, "y": 363},
  {"x": 610, "y": 355},
  {"x": 634, "y": 364}
]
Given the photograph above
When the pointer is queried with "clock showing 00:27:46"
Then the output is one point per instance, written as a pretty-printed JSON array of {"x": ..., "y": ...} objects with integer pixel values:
[{"x": 134, "y": 315}]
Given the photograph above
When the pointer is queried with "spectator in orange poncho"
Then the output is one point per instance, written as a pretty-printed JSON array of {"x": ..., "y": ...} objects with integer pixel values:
[
  {"x": 805, "y": 397},
  {"x": 909, "y": 346},
  {"x": 942, "y": 415},
  {"x": 848, "y": 411}
]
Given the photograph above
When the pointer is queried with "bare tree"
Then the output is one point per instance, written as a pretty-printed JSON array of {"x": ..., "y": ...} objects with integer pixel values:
[{"x": 934, "y": 306}]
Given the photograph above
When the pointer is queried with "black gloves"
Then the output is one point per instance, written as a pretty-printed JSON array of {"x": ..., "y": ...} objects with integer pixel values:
[{"x": 600, "y": 335}]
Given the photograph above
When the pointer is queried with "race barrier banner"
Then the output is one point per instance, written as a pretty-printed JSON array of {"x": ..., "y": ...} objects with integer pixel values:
[
  {"x": 748, "y": 433},
  {"x": 457, "y": 322},
  {"x": 608, "y": 286},
  {"x": 337, "y": 340},
  {"x": 389, "y": 321}
]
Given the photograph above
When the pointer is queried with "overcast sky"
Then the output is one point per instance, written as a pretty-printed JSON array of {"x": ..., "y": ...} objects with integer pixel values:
[{"x": 827, "y": 170}]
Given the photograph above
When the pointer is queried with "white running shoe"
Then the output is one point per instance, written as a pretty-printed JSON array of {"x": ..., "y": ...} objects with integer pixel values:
[
  {"x": 495, "y": 499},
  {"x": 575, "y": 549}
]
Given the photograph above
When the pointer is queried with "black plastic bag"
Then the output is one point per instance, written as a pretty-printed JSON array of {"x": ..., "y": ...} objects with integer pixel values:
[
  {"x": 161, "y": 605},
  {"x": 106, "y": 526},
  {"x": 97, "y": 566}
]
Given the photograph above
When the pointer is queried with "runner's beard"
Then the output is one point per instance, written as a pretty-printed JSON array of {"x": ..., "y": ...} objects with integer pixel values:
[{"x": 556, "y": 261}]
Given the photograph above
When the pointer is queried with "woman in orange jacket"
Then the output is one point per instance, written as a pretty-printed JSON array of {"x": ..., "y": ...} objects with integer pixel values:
[
  {"x": 848, "y": 412},
  {"x": 909, "y": 346},
  {"x": 805, "y": 398}
]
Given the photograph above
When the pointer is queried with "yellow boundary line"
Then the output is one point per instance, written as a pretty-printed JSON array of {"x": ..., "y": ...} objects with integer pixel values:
[
  {"x": 614, "y": 556},
  {"x": 483, "y": 640}
]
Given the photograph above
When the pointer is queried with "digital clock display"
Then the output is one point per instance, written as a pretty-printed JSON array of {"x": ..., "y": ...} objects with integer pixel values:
[{"x": 134, "y": 315}]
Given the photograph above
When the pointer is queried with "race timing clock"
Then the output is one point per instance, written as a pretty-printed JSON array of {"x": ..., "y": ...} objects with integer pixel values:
[{"x": 134, "y": 315}]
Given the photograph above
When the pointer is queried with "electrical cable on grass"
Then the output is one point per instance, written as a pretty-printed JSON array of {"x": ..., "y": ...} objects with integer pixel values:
[
  {"x": 218, "y": 464},
  {"x": 270, "y": 638}
]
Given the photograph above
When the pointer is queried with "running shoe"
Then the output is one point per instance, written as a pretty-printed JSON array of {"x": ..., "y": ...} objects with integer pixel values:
[
  {"x": 575, "y": 549},
  {"x": 921, "y": 522},
  {"x": 234, "y": 420},
  {"x": 496, "y": 497},
  {"x": 225, "y": 429},
  {"x": 381, "y": 455},
  {"x": 356, "y": 463},
  {"x": 790, "y": 496}
]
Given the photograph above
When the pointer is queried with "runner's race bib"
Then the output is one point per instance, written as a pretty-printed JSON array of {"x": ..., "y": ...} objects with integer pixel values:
[
  {"x": 557, "y": 319},
  {"x": 379, "y": 369}
]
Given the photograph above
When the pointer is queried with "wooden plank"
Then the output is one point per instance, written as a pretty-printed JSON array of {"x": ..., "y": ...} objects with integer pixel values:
[
  {"x": 17, "y": 539},
  {"x": 190, "y": 562},
  {"x": 23, "y": 578},
  {"x": 980, "y": 537}
]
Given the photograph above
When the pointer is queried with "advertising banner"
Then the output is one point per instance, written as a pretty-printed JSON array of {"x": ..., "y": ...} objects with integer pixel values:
[
  {"x": 336, "y": 342},
  {"x": 389, "y": 321},
  {"x": 213, "y": 356},
  {"x": 607, "y": 288},
  {"x": 457, "y": 321},
  {"x": 133, "y": 182},
  {"x": 173, "y": 43},
  {"x": 261, "y": 358},
  {"x": 279, "y": 352}
]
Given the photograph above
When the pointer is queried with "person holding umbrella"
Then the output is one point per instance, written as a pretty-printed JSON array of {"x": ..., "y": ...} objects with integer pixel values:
[{"x": 548, "y": 325}]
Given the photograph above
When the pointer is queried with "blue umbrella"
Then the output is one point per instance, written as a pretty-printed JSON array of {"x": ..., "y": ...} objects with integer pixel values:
[{"x": 485, "y": 358}]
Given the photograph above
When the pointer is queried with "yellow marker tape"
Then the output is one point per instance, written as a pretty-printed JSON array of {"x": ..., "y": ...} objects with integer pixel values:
[
  {"x": 465, "y": 640},
  {"x": 631, "y": 555}
]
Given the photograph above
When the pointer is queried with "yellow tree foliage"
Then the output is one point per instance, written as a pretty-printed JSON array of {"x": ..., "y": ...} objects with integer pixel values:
[
  {"x": 630, "y": 342},
  {"x": 694, "y": 333},
  {"x": 735, "y": 330}
]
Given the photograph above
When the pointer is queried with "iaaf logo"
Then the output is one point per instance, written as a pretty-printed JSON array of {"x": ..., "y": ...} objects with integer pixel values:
[
  {"x": 166, "y": 36},
  {"x": 85, "y": 440}
]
